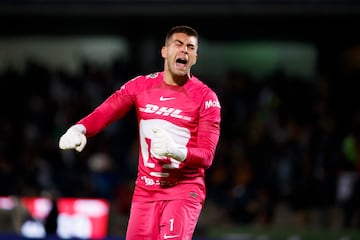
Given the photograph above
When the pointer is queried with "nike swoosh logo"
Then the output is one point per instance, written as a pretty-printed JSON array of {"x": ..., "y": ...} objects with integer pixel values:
[
  {"x": 170, "y": 236},
  {"x": 162, "y": 98}
]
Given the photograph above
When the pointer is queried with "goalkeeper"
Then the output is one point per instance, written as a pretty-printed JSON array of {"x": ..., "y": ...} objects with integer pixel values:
[{"x": 179, "y": 127}]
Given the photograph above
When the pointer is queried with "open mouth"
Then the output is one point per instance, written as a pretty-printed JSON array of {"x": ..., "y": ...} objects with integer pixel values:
[{"x": 181, "y": 62}]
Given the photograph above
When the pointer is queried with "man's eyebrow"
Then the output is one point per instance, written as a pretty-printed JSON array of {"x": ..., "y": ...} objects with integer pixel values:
[
  {"x": 189, "y": 44},
  {"x": 179, "y": 41}
]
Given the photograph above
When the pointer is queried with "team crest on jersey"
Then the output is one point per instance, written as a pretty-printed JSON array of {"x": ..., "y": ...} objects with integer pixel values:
[{"x": 153, "y": 75}]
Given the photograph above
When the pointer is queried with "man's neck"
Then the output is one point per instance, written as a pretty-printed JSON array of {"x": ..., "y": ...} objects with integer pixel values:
[{"x": 175, "y": 80}]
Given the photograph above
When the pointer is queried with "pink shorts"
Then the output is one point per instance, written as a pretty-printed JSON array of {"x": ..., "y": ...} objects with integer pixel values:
[{"x": 163, "y": 220}]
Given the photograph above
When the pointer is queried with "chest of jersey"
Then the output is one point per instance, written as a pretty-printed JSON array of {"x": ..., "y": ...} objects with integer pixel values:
[{"x": 173, "y": 105}]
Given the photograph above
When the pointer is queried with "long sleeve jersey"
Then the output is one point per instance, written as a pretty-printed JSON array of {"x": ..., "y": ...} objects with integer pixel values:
[{"x": 189, "y": 113}]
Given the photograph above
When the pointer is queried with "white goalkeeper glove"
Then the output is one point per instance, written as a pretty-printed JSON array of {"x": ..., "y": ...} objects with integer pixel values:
[
  {"x": 164, "y": 146},
  {"x": 74, "y": 138}
]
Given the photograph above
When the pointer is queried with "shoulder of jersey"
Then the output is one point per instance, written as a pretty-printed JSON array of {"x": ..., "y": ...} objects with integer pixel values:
[{"x": 200, "y": 83}]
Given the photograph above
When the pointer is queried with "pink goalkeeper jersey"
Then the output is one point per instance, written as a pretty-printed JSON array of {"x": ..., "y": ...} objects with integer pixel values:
[{"x": 189, "y": 113}]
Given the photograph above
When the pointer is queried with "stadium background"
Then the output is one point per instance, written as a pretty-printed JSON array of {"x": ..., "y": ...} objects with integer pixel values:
[{"x": 287, "y": 74}]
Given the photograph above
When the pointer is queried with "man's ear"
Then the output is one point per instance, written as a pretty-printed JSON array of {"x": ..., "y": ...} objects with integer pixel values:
[
  {"x": 163, "y": 51},
  {"x": 195, "y": 60}
]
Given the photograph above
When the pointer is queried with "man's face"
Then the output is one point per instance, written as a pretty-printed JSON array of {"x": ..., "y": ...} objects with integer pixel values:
[{"x": 180, "y": 53}]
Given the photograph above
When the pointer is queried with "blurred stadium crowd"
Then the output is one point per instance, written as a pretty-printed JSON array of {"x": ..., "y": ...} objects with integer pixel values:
[{"x": 284, "y": 141}]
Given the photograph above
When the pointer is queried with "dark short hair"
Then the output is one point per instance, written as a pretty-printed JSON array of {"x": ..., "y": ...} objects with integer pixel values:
[{"x": 181, "y": 29}]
